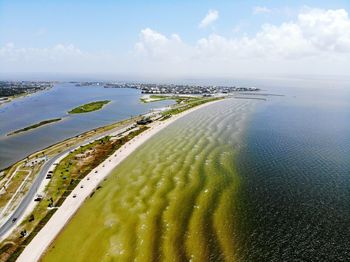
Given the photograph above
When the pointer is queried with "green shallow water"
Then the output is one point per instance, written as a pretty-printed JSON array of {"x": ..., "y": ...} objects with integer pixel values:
[{"x": 171, "y": 200}]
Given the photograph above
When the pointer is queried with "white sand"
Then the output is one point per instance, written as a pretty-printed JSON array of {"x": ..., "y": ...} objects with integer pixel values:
[{"x": 70, "y": 206}]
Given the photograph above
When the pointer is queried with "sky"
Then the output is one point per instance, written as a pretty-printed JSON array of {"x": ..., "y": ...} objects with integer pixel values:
[{"x": 175, "y": 39}]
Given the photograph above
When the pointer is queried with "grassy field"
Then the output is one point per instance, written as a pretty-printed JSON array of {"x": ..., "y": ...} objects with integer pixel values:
[
  {"x": 19, "y": 176},
  {"x": 42, "y": 123},
  {"x": 178, "y": 99},
  {"x": 171, "y": 200},
  {"x": 155, "y": 98},
  {"x": 93, "y": 106},
  {"x": 185, "y": 103}
]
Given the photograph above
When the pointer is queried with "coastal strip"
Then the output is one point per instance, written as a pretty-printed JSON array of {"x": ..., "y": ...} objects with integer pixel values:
[
  {"x": 90, "y": 183},
  {"x": 106, "y": 138},
  {"x": 174, "y": 199},
  {"x": 42, "y": 123}
]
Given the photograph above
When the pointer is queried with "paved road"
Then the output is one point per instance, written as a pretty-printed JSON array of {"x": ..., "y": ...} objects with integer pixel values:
[{"x": 21, "y": 208}]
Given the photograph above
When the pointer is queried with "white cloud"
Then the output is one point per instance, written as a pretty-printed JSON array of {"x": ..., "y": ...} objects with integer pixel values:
[
  {"x": 160, "y": 47},
  {"x": 210, "y": 18},
  {"x": 316, "y": 41},
  {"x": 326, "y": 30},
  {"x": 314, "y": 32},
  {"x": 317, "y": 35},
  {"x": 261, "y": 10}
]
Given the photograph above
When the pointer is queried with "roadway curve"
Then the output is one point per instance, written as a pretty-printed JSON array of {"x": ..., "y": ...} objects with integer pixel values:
[{"x": 7, "y": 227}]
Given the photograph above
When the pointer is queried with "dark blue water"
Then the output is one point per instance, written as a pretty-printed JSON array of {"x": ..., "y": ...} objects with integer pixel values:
[
  {"x": 295, "y": 192},
  {"x": 55, "y": 103}
]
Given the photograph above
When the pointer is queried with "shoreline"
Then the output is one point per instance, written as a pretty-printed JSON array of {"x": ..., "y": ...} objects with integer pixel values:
[
  {"x": 34, "y": 126},
  {"x": 38, "y": 246},
  {"x": 97, "y": 129},
  {"x": 90, "y": 135},
  {"x": 23, "y": 95}
]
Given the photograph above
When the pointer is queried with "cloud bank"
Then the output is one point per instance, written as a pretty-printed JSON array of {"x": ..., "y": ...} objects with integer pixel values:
[
  {"x": 317, "y": 41},
  {"x": 315, "y": 35}
]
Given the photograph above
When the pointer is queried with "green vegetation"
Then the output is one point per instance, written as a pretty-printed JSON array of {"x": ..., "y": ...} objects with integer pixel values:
[
  {"x": 178, "y": 99},
  {"x": 89, "y": 107},
  {"x": 42, "y": 123},
  {"x": 41, "y": 209},
  {"x": 143, "y": 100},
  {"x": 17, "y": 250},
  {"x": 19, "y": 172},
  {"x": 155, "y": 98},
  {"x": 160, "y": 98},
  {"x": 65, "y": 178},
  {"x": 185, "y": 103},
  {"x": 174, "y": 199}
]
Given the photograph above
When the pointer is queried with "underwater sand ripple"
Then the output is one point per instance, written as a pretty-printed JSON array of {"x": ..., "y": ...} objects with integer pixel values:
[{"x": 171, "y": 200}]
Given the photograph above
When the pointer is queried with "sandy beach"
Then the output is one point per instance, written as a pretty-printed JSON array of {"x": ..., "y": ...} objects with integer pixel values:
[{"x": 70, "y": 206}]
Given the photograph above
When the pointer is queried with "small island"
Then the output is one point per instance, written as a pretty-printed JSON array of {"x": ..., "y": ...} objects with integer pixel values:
[
  {"x": 42, "y": 123},
  {"x": 86, "y": 108}
]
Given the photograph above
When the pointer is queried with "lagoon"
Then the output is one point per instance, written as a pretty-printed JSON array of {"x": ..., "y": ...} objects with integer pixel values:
[{"x": 55, "y": 103}]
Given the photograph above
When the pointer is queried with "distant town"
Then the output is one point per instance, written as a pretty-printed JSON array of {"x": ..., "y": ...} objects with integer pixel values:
[
  {"x": 15, "y": 88},
  {"x": 10, "y": 89},
  {"x": 172, "y": 88}
]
